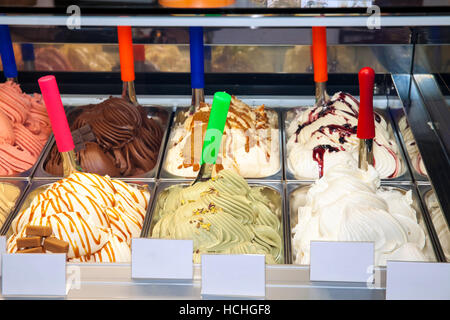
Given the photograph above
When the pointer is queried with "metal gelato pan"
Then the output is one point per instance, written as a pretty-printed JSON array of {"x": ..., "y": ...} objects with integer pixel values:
[
  {"x": 179, "y": 120},
  {"x": 38, "y": 186},
  {"x": 11, "y": 193},
  {"x": 438, "y": 219},
  {"x": 380, "y": 107},
  {"x": 273, "y": 190}
]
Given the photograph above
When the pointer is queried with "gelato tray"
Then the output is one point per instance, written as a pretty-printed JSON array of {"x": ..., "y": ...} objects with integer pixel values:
[
  {"x": 118, "y": 139},
  {"x": 227, "y": 215},
  {"x": 97, "y": 216},
  {"x": 408, "y": 141},
  {"x": 389, "y": 215},
  {"x": 25, "y": 130},
  {"x": 316, "y": 139},
  {"x": 441, "y": 227},
  {"x": 251, "y": 144},
  {"x": 11, "y": 191}
]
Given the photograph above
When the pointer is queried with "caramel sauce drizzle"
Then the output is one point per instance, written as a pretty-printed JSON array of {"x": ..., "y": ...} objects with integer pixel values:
[
  {"x": 59, "y": 198},
  {"x": 239, "y": 117}
]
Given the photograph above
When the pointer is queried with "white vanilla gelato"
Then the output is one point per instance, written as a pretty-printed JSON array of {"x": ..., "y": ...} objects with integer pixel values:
[
  {"x": 319, "y": 138},
  {"x": 347, "y": 204},
  {"x": 250, "y": 143},
  {"x": 98, "y": 216}
]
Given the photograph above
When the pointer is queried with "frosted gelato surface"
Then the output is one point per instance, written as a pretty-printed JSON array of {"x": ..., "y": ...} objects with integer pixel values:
[
  {"x": 319, "y": 138},
  {"x": 98, "y": 216},
  {"x": 349, "y": 205},
  {"x": 24, "y": 129},
  {"x": 8, "y": 197},
  {"x": 127, "y": 141},
  {"x": 222, "y": 215},
  {"x": 250, "y": 144},
  {"x": 411, "y": 147}
]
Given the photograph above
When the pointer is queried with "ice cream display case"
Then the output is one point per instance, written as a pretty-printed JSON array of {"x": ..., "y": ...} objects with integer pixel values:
[{"x": 288, "y": 171}]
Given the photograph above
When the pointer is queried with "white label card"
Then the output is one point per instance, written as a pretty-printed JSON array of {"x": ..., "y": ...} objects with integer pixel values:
[
  {"x": 341, "y": 261},
  {"x": 2, "y": 250},
  {"x": 417, "y": 281},
  {"x": 34, "y": 274},
  {"x": 233, "y": 275},
  {"x": 161, "y": 259}
]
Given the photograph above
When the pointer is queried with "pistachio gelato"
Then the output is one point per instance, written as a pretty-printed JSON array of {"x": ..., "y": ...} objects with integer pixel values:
[{"x": 221, "y": 215}]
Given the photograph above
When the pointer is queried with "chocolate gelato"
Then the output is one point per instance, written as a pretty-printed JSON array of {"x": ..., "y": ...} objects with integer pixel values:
[{"x": 127, "y": 141}]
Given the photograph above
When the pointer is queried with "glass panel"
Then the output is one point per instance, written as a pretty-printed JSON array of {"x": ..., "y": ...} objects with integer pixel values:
[{"x": 85, "y": 57}]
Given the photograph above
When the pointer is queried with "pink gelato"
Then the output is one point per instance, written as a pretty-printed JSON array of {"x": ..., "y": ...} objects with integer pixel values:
[{"x": 24, "y": 129}]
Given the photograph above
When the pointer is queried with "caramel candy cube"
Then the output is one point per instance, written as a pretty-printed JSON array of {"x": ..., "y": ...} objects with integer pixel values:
[
  {"x": 29, "y": 242},
  {"x": 32, "y": 250},
  {"x": 43, "y": 231},
  {"x": 55, "y": 245}
]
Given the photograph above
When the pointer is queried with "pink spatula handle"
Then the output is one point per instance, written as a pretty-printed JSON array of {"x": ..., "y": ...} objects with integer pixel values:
[{"x": 56, "y": 113}]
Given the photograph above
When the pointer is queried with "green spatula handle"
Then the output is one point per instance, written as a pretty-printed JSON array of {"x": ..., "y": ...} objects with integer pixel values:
[{"x": 216, "y": 125}]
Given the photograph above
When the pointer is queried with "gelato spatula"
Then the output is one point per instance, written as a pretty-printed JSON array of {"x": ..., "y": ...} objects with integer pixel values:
[
  {"x": 127, "y": 63},
  {"x": 197, "y": 67},
  {"x": 60, "y": 126},
  {"x": 7, "y": 52},
  {"x": 213, "y": 135},
  {"x": 366, "y": 126},
  {"x": 319, "y": 48}
]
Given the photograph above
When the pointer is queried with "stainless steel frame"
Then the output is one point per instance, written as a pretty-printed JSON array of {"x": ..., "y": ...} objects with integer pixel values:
[
  {"x": 254, "y": 21},
  {"x": 427, "y": 139},
  {"x": 397, "y": 112}
]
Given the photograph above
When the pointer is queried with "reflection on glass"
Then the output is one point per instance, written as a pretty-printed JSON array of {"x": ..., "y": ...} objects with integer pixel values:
[
  {"x": 85, "y": 57},
  {"x": 243, "y": 59}
]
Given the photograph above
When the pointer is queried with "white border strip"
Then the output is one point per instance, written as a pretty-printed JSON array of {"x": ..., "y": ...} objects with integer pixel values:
[{"x": 226, "y": 21}]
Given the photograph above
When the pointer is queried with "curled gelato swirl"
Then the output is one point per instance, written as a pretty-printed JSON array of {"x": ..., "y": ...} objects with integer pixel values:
[
  {"x": 127, "y": 141},
  {"x": 96, "y": 215},
  {"x": 222, "y": 215},
  {"x": 347, "y": 204},
  {"x": 8, "y": 196},
  {"x": 439, "y": 222},
  {"x": 24, "y": 129},
  {"x": 250, "y": 143},
  {"x": 319, "y": 138}
]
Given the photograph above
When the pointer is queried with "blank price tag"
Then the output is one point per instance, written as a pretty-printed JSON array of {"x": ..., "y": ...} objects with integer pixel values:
[
  {"x": 161, "y": 259},
  {"x": 233, "y": 275},
  {"x": 2, "y": 250},
  {"x": 341, "y": 261},
  {"x": 33, "y": 274},
  {"x": 417, "y": 281}
]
